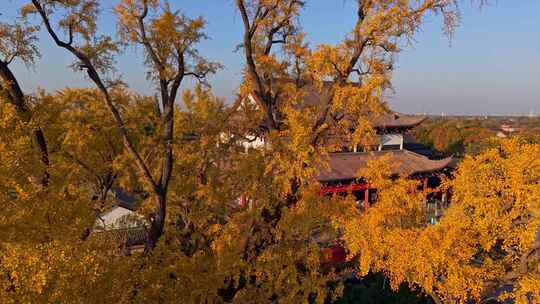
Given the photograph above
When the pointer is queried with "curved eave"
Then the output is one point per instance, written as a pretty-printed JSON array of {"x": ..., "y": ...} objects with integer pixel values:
[
  {"x": 403, "y": 122},
  {"x": 345, "y": 166},
  {"x": 438, "y": 165}
]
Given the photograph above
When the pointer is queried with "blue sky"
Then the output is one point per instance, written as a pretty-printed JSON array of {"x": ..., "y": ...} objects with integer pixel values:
[{"x": 491, "y": 66}]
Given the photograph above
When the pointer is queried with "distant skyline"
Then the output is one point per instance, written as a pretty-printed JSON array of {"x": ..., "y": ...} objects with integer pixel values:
[{"x": 491, "y": 66}]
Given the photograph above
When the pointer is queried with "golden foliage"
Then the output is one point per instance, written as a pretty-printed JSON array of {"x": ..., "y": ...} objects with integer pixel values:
[
  {"x": 190, "y": 162},
  {"x": 486, "y": 240}
]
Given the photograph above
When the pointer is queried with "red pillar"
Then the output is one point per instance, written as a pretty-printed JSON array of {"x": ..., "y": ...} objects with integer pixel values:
[
  {"x": 425, "y": 189},
  {"x": 366, "y": 198}
]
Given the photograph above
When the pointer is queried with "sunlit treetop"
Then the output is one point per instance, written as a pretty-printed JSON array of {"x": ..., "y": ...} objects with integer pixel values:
[
  {"x": 18, "y": 41},
  {"x": 486, "y": 241}
]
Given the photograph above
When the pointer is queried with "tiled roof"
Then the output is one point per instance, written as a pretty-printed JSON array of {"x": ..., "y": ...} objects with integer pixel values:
[
  {"x": 313, "y": 96},
  {"x": 345, "y": 166},
  {"x": 127, "y": 199},
  {"x": 129, "y": 237},
  {"x": 398, "y": 120}
]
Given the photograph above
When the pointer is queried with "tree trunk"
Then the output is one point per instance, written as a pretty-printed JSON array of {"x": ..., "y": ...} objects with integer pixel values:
[
  {"x": 16, "y": 97},
  {"x": 158, "y": 223},
  {"x": 436, "y": 299}
]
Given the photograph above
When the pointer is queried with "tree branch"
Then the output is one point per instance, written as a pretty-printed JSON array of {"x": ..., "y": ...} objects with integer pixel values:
[
  {"x": 144, "y": 39},
  {"x": 260, "y": 92},
  {"x": 16, "y": 97},
  {"x": 94, "y": 76}
]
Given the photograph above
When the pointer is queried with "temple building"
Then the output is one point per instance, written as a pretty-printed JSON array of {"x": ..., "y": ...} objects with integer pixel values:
[
  {"x": 122, "y": 223},
  {"x": 341, "y": 177},
  {"x": 394, "y": 138},
  {"x": 392, "y": 129}
]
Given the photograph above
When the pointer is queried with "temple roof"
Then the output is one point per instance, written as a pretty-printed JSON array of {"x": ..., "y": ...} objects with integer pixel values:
[
  {"x": 130, "y": 236},
  {"x": 313, "y": 96},
  {"x": 345, "y": 166},
  {"x": 383, "y": 121},
  {"x": 398, "y": 120}
]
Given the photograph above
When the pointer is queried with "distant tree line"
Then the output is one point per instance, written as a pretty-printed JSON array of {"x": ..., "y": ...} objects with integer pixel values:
[{"x": 460, "y": 136}]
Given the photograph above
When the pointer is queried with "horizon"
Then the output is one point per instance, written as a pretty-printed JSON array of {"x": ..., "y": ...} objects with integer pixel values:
[{"x": 490, "y": 66}]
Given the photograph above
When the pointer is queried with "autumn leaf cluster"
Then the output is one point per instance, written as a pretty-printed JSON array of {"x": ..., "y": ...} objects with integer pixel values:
[{"x": 226, "y": 223}]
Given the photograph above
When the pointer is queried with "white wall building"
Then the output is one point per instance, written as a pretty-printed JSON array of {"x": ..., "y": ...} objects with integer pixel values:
[{"x": 119, "y": 217}]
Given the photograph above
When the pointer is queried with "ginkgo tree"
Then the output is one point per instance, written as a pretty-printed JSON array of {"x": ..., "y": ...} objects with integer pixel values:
[
  {"x": 349, "y": 78},
  {"x": 168, "y": 40},
  {"x": 205, "y": 244},
  {"x": 486, "y": 246},
  {"x": 18, "y": 42}
]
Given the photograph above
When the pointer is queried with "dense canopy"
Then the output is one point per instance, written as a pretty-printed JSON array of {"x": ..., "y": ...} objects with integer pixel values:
[{"x": 226, "y": 223}]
